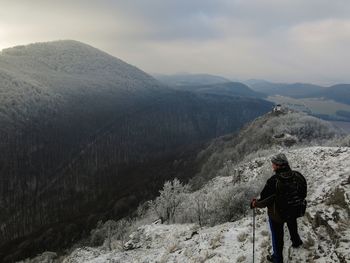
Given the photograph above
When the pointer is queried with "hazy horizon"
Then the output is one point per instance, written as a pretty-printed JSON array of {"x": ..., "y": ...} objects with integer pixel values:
[{"x": 276, "y": 40}]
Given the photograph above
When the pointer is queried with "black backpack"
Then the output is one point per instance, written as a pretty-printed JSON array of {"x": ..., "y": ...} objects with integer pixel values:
[{"x": 291, "y": 190}]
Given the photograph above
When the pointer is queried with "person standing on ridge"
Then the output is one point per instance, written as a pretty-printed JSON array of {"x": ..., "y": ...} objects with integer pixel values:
[{"x": 284, "y": 196}]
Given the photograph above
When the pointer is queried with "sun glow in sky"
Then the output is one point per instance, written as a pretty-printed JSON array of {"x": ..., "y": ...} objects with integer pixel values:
[
  {"x": 278, "y": 40},
  {"x": 3, "y": 38}
]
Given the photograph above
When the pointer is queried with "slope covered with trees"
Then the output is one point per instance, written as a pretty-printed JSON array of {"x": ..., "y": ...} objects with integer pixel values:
[
  {"x": 213, "y": 223},
  {"x": 294, "y": 90},
  {"x": 233, "y": 89},
  {"x": 273, "y": 130},
  {"x": 85, "y": 136},
  {"x": 225, "y": 202},
  {"x": 190, "y": 79}
]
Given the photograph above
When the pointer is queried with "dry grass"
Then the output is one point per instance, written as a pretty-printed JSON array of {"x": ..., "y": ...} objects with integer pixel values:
[
  {"x": 241, "y": 259},
  {"x": 265, "y": 243},
  {"x": 216, "y": 241},
  {"x": 242, "y": 237},
  {"x": 309, "y": 242},
  {"x": 173, "y": 247},
  {"x": 264, "y": 233},
  {"x": 338, "y": 198}
]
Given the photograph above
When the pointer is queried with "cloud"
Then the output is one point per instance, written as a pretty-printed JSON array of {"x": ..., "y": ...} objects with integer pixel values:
[
  {"x": 282, "y": 40},
  {"x": 322, "y": 47},
  {"x": 322, "y": 34}
]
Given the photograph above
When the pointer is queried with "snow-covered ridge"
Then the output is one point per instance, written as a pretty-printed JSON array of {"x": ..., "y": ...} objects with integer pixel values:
[
  {"x": 66, "y": 56},
  {"x": 48, "y": 75},
  {"x": 325, "y": 229},
  {"x": 68, "y": 60}
]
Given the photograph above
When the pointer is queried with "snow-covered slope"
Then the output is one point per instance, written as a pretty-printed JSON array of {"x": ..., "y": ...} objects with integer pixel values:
[
  {"x": 68, "y": 57},
  {"x": 325, "y": 228},
  {"x": 53, "y": 74}
]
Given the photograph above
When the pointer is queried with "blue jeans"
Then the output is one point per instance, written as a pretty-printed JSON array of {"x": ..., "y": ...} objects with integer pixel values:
[{"x": 277, "y": 233}]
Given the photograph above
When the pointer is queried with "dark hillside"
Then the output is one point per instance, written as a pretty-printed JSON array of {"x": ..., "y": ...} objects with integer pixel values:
[
  {"x": 81, "y": 129},
  {"x": 234, "y": 89},
  {"x": 190, "y": 79}
]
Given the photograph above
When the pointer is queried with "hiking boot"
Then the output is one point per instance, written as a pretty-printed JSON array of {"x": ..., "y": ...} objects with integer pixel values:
[{"x": 269, "y": 258}]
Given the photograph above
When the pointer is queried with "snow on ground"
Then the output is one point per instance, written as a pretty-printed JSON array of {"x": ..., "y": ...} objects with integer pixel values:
[{"x": 325, "y": 228}]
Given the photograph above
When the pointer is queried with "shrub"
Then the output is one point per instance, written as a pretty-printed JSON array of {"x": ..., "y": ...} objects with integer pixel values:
[
  {"x": 105, "y": 233},
  {"x": 242, "y": 237},
  {"x": 241, "y": 259},
  {"x": 167, "y": 204}
]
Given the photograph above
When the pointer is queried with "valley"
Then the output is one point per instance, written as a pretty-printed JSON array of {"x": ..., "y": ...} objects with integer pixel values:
[
  {"x": 86, "y": 136},
  {"x": 322, "y": 107}
]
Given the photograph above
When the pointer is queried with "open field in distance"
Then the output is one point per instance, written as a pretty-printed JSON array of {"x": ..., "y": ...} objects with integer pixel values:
[{"x": 311, "y": 105}]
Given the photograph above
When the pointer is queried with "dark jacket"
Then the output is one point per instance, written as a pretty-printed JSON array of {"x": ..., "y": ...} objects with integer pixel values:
[{"x": 268, "y": 194}]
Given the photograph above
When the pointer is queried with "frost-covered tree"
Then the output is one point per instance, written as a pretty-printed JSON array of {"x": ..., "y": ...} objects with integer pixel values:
[
  {"x": 167, "y": 204},
  {"x": 345, "y": 141},
  {"x": 200, "y": 207}
]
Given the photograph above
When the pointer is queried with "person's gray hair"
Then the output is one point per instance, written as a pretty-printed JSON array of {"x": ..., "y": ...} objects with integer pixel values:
[{"x": 280, "y": 159}]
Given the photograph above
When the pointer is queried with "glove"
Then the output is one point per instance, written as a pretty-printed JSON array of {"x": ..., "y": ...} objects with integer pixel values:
[{"x": 253, "y": 203}]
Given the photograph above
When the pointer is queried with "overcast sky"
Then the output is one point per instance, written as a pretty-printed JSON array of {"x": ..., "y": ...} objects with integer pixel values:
[{"x": 278, "y": 40}]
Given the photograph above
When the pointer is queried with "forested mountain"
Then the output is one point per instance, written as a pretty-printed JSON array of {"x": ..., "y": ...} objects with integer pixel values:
[
  {"x": 190, "y": 79},
  {"x": 295, "y": 90},
  {"x": 340, "y": 93},
  {"x": 85, "y": 136},
  {"x": 233, "y": 89}
]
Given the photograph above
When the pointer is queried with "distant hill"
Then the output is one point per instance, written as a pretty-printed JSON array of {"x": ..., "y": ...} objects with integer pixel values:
[
  {"x": 340, "y": 93},
  {"x": 323, "y": 102},
  {"x": 45, "y": 78},
  {"x": 190, "y": 79},
  {"x": 235, "y": 89},
  {"x": 86, "y": 136},
  {"x": 295, "y": 90}
]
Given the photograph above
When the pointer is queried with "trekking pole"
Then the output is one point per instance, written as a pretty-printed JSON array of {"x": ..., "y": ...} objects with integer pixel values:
[{"x": 253, "y": 235}]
